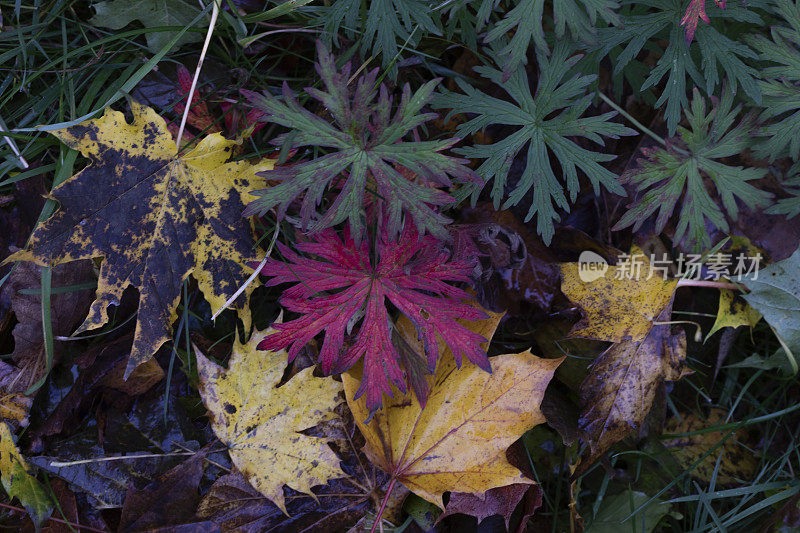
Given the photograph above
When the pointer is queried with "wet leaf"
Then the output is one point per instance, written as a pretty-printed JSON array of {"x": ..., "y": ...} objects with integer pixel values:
[
  {"x": 775, "y": 292},
  {"x": 733, "y": 312},
  {"x": 615, "y": 509},
  {"x": 154, "y": 217},
  {"x": 14, "y": 404},
  {"x": 737, "y": 462},
  {"x": 459, "y": 440},
  {"x": 19, "y": 482},
  {"x": 261, "y": 424},
  {"x": 67, "y": 309},
  {"x": 617, "y": 308},
  {"x": 623, "y": 382},
  {"x": 170, "y": 500},
  {"x": 499, "y": 501}
]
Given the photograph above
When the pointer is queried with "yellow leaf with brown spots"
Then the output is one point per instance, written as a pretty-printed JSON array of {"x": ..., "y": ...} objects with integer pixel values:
[
  {"x": 458, "y": 441},
  {"x": 617, "y": 308},
  {"x": 737, "y": 461},
  {"x": 261, "y": 423},
  {"x": 154, "y": 218}
]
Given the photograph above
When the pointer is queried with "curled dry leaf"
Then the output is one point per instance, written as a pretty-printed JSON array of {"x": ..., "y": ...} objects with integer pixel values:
[
  {"x": 458, "y": 441},
  {"x": 154, "y": 217},
  {"x": 737, "y": 461},
  {"x": 261, "y": 424}
]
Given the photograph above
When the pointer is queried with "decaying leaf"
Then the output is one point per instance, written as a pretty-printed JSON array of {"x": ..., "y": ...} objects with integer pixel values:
[
  {"x": 168, "y": 501},
  {"x": 67, "y": 309},
  {"x": 629, "y": 311},
  {"x": 499, "y": 501},
  {"x": 154, "y": 217},
  {"x": 618, "y": 307},
  {"x": 458, "y": 441},
  {"x": 14, "y": 404},
  {"x": 261, "y": 424},
  {"x": 19, "y": 482},
  {"x": 623, "y": 382},
  {"x": 737, "y": 462},
  {"x": 733, "y": 312}
]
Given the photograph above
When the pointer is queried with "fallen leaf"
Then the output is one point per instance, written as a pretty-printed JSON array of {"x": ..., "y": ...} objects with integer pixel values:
[
  {"x": 170, "y": 500},
  {"x": 154, "y": 217},
  {"x": 341, "y": 286},
  {"x": 459, "y": 440},
  {"x": 618, "y": 308},
  {"x": 775, "y": 293},
  {"x": 19, "y": 482},
  {"x": 68, "y": 506},
  {"x": 498, "y": 501},
  {"x": 14, "y": 404},
  {"x": 737, "y": 462},
  {"x": 116, "y": 14},
  {"x": 733, "y": 312},
  {"x": 261, "y": 424},
  {"x": 67, "y": 309},
  {"x": 623, "y": 382},
  {"x": 614, "y": 510}
]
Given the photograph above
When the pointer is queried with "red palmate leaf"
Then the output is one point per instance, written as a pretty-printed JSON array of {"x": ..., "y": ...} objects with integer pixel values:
[
  {"x": 334, "y": 290},
  {"x": 694, "y": 13}
]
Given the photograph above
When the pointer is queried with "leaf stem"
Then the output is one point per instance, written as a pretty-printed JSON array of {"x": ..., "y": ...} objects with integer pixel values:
[
  {"x": 186, "y": 110},
  {"x": 383, "y": 504},
  {"x": 70, "y": 524},
  {"x": 632, "y": 120},
  {"x": 709, "y": 283}
]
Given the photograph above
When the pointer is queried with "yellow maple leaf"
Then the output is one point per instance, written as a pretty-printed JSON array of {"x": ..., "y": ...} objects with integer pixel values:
[
  {"x": 154, "y": 218},
  {"x": 617, "y": 308},
  {"x": 261, "y": 424},
  {"x": 459, "y": 440}
]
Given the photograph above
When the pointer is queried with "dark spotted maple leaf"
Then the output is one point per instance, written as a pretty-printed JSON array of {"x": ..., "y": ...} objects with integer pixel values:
[
  {"x": 153, "y": 216},
  {"x": 341, "y": 287}
]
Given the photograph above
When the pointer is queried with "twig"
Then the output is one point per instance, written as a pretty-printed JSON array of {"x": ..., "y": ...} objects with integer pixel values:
[
  {"x": 252, "y": 277},
  {"x": 71, "y": 524},
  {"x": 61, "y": 464},
  {"x": 709, "y": 283},
  {"x": 211, "y": 24}
]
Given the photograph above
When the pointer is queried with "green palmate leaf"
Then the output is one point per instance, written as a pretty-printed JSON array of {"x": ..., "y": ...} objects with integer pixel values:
[
  {"x": 525, "y": 20},
  {"x": 546, "y": 120},
  {"x": 382, "y": 25},
  {"x": 365, "y": 152},
  {"x": 775, "y": 293},
  {"x": 683, "y": 168},
  {"x": 116, "y": 14},
  {"x": 789, "y": 206},
  {"x": 780, "y": 85},
  {"x": 701, "y": 60}
]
